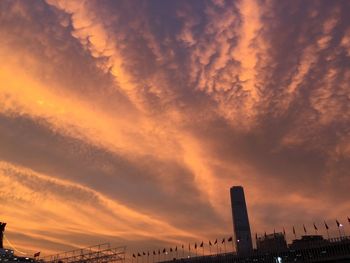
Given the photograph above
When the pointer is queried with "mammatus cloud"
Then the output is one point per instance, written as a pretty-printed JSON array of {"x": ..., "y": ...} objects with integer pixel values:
[{"x": 128, "y": 121}]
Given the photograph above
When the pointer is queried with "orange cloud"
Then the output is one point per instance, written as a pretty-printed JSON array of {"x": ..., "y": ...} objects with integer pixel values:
[{"x": 128, "y": 122}]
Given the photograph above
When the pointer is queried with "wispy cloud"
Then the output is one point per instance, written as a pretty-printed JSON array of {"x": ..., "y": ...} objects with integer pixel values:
[{"x": 126, "y": 121}]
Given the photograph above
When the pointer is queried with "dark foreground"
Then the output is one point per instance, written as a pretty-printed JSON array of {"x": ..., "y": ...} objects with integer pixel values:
[{"x": 332, "y": 251}]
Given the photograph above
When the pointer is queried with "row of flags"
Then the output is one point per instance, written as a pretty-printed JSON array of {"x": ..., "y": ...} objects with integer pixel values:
[
  {"x": 305, "y": 230},
  {"x": 316, "y": 228},
  {"x": 229, "y": 239},
  {"x": 196, "y": 246}
]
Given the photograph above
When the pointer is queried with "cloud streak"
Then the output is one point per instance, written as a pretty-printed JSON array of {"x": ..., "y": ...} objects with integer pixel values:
[{"x": 128, "y": 121}]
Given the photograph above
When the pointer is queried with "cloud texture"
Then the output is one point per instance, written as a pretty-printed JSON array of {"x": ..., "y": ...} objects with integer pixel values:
[{"x": 128, "y": 121}]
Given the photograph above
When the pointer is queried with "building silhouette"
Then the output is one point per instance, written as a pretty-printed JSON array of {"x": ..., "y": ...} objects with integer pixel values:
[
  {"x": 271, "y": 242},
  {"x": 308, "y": 241},
  {"x": 241, "y": 227}
]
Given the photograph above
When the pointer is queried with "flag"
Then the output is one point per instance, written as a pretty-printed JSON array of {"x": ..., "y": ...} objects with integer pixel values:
[
  {"x": 210, "y": 244},
  {"x": 325, "y": 224},
  {"x": 138, "y": 254},
  {"x": 195, "y": 245},
  {"x": 37, "y": 254},
  {"x": 202, "y": 244},
  {"x": 349, "y": 220},
  {"x": 229, "y": 239},
  {"x": 147, "y": 253},
  {"x": 182, "y": 246},
  {"x": 164, "y": 250},
  {"x": 315, "y": 227},
  {"x": 223, "y": 241},
  {"x": 304, "y": 229},
  {"x": 144, "y": 253},
  {"x": 338, "y": 224},
  {"x": 293, "y": 230},
  {"x": 154, "y": 252},
  {"x": 133, "y": 255},
  {"x": 171, "y": 250},
  {"x": 216, "y": 241}
]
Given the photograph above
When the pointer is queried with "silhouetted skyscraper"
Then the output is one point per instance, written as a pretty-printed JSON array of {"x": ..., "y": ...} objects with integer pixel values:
[{"x": 241, "y": 228}]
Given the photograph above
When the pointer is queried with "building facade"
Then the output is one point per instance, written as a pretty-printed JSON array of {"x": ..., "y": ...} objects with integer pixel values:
[{"x": 241, "y": 227}]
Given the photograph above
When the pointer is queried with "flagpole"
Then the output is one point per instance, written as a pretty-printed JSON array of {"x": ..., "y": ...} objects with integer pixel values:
[
  {"x": 295, "y": 235},
  {"x": 326, "y": 226},
  {"x": 339, "y": 225}
]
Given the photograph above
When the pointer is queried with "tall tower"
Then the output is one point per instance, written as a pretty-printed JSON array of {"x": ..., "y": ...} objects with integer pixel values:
[{"x": 241, "y": 228}]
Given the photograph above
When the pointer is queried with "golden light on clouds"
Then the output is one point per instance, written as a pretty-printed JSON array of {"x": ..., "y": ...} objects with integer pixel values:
[{"x": 128, "y": 121}]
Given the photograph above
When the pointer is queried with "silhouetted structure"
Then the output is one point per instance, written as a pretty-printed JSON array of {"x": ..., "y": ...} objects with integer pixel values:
[
  {"x": 8, "y": 256},
  {"x": 308, "y": 241},
  {"x": 2, "y": 230},
  {"x": 336, "y": 250},
  {"x": 102, "y": 253},
  {"x": 241, "y": 228},
  {"x": 271, "y": 242}
]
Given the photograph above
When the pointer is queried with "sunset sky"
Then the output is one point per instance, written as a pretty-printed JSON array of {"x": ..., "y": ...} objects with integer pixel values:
[{"x": 128, "y": 121}]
